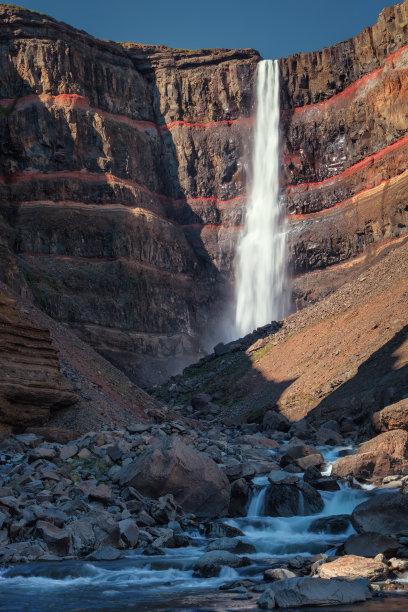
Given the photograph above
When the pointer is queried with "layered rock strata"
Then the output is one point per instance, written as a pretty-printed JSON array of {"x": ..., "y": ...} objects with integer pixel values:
[
  {"x": 31, "y": 382},
  {"x": 124, "y": 174}
]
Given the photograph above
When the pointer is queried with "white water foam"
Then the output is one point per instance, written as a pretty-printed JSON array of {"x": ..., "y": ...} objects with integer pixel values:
[{"x": 261, "y": 268}]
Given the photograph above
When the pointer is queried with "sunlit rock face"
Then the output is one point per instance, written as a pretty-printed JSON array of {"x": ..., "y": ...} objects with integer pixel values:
[{"x": 125, "y": 170}]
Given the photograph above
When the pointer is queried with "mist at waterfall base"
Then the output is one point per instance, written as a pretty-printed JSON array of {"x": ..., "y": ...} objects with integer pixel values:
[{"x": 262, "y": 254}]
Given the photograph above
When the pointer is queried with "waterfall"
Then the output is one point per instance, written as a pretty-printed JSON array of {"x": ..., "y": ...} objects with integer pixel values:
[{"x": 261, "y": 277}]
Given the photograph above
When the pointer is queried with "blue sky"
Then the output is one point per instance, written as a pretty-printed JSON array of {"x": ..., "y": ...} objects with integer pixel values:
[{"x": 275, "y": 27}]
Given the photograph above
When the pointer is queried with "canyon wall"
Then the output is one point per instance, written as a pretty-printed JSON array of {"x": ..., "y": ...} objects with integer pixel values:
[{"x": 125, "y": 167}]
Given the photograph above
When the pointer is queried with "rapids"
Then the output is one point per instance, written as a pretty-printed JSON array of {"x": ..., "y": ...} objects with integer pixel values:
[{"x": 166, "y": 582}]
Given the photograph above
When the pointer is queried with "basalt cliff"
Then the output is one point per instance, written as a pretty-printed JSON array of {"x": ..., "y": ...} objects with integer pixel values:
[{"x": 124, "y": 172}]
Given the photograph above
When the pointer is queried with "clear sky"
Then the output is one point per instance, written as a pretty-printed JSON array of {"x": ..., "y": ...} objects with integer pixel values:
[{"x": 274, "y": 27}]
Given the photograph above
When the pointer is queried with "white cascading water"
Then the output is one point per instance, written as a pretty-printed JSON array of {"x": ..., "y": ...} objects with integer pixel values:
[{"x": 261, "y": 275}]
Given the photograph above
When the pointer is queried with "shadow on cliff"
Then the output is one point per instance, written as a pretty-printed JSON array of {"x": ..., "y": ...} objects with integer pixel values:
[
  {"x": 381, "y": 380},
  {"x": 178, "y": 210}
]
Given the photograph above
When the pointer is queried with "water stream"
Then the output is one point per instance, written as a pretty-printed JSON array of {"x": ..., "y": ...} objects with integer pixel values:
[
  {"x": 261, "y": 277},
  {"x": 166, "y": 582}
]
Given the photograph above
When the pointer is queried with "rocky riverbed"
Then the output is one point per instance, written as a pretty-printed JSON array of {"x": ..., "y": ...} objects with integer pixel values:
[{"x": 191, "y": 514}]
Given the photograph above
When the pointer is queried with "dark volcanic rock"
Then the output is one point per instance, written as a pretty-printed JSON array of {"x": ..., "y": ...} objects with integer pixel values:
[
  {"x": 169, "y": 466},
  {"x": 371, "y": 544},
  {"x": 386, "y": 514},
  {"x": 292, "y": 499}
]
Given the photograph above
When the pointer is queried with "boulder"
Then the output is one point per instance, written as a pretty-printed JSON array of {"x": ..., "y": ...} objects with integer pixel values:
[
  {"x": 328, "y": 437},
  {"x": 82, "y": 535},
  {"x": 302, "y": 456},
  {"x": 338, "y": 523},
  {"x": 384, "y": 455},
  {"x": 232, "y": 545},
  {"x": 210, "y": 563},
  {"x": 298, "y": 592},
  {"x": 169, "y": 466},
  {"x": 292, "y": 500},
  {"x": 386, "y": 514},
  {"x": 275, "y": 421},
  {"x": 222, "y": 530},
  {"x": 129, "y": 532},
  {"x": 278, "y": 573},
  {"x": 58, "y": 540},
  {"x": 281, "y": 477},
  {"x": 353, "y": 567},
  {"x": 68, "y": 451},
  {"x": 371, "y": 544},
  {"x": 391, "y": 417}
]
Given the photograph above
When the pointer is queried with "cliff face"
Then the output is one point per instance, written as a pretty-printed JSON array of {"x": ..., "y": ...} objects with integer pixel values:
[
  {"x": 123, "y": 175},
  {"x": 112, "y": 158}
]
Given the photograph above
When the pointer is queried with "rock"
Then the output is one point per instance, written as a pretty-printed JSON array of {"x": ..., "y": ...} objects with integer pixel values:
[
  {"x": 328, "y": 437},
  {"x": 278, "y": 573},
  {"x": 68, "y": 451},
  {"x": 41, "y": 452},
  {"x": 222, "y": 530},
  {"x": 129, "y": 532},
  {"x": 381, "y": 456},
  {"x": 239, "y": 498},
  {"x": 211, "y": 562},
  {"x": 398, "y": 565},
  {"x": 386, "y": 514},
  {"x": 82, "y": 536},
  {"x": 200, "y": 401},
  {"x": 256, "y": 441},
  {"x": 332, "y": 425},
  {"x": 21, "y": 551},
  {"x": 302, "y": 456},
  {"x": 232, "y": 545},
  {"x": 275, "y": 421},
  {"x": 371, "y": 544},
  {"x": 336, "y": 524},
  {"x": 327, "y": 483},
  {"x": 267, "y": 600},
  {"x": 292, "y": 500},
  {"x": 312, "y": 474},
  {"x": 101, "y": 493},
  {"x": 353, "y": 567},
  {"x": 169, "y": 466},
  {"x": 54, "y": 434},
  {"x": 281, "y": 477},
  {"x": 105, "y": 528},
  {"x": 391, "y": 417},
  {"x": 58, "y": 540},
  {"x": 299, "y": 592},
  {"x": 106, "y": 553}
]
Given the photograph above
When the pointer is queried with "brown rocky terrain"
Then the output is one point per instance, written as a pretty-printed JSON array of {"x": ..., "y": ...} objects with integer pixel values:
[
  {"x": 55, "y": 384},
  {"x": 124, "y": 174},
  {"x": 345, "y": 355}
]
